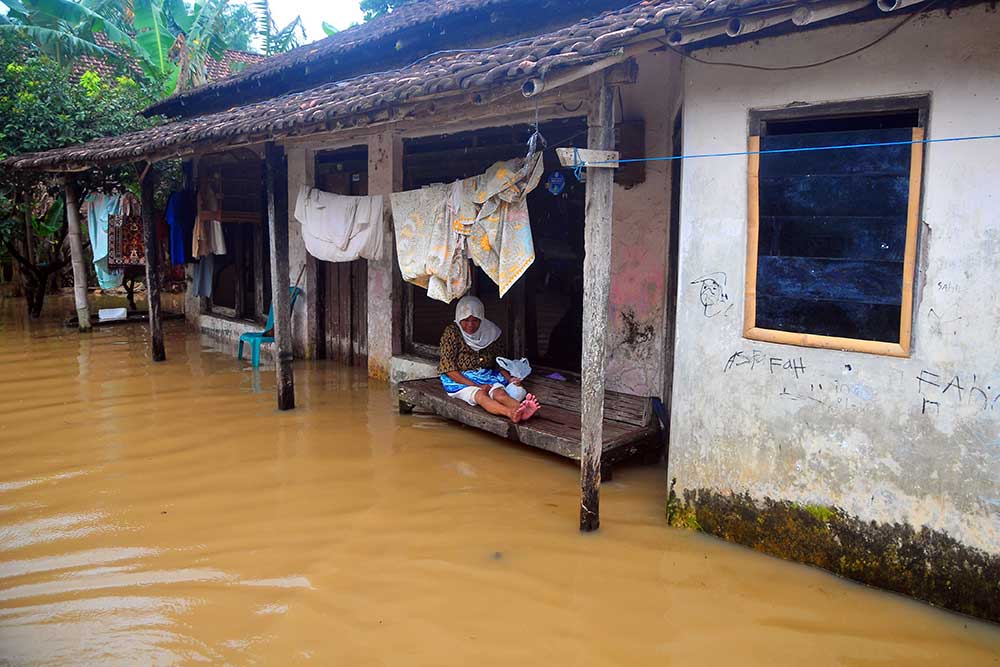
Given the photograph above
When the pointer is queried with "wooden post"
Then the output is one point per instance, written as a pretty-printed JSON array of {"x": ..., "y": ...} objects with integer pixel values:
[
  {"x": 596, "y": 287},
  {"x": 152, "y": 252},
  {"x": 76, "y": 254},
  {"x": 277, "y": 221}
]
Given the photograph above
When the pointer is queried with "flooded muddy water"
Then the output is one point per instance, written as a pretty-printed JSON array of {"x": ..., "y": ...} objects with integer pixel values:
[{"x": 168, "y": 515}]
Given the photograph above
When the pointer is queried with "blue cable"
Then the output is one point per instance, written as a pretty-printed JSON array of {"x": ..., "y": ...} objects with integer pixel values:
[{"x": 578, "y": 166}]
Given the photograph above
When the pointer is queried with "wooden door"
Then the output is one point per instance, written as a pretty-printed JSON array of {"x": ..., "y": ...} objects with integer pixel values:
[{"x": 346, "y": 311}]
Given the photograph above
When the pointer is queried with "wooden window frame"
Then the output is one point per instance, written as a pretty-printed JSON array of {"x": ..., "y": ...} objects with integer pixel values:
[{"x": 750, "y": 329}]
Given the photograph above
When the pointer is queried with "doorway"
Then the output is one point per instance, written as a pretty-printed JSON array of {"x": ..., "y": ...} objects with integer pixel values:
[
  {"x": 342, "y": 290},
  {"x": 542, "y": 314}
]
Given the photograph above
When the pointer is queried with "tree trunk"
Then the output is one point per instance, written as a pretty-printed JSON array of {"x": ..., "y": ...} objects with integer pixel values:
[
  {"x": 76, "y": 252},
  {"x": 35, "y": 292}
]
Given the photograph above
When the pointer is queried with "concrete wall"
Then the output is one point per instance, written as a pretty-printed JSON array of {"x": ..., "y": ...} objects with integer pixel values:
[
  {"x": 869, "y": 435},
  {"x": 636, "y": 317}
]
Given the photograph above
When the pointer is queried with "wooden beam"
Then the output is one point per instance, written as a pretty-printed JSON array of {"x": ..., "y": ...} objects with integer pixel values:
[
  {"x": 277, "y": 220},
  {"x": 596, "y": 289},
  {"x": 568, "y": 157},
  {"x": 76, "y": 254},
  {"x": 152, "y": 252}
]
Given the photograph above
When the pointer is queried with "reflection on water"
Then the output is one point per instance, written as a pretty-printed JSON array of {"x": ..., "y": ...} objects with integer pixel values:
[{"x": 169, "y": 515}]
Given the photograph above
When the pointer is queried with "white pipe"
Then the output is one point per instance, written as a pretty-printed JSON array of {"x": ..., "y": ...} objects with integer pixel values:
[
  {"x": 743, "y": 25},
  {"x": 536, "y": 86},
  {"x": 893, "y": 5},
  {"x": 808, "y": 14},
  {"x": 688, "y": 35}
]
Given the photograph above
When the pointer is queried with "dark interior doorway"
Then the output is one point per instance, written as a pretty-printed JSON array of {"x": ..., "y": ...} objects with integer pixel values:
[
  {"x": 542, "y": 315},
  {"x": 342, "y": 294}
]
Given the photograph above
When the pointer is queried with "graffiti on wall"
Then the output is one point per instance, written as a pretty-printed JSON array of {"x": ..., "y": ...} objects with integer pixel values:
[
  {"x": 712, "y": 294},
  {"x": 758, "y": 360},
  {"x": 939, "y": 390}
]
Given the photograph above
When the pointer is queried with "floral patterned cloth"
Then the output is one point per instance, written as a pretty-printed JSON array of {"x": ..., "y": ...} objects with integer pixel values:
[{"x": 439, "y": 227}]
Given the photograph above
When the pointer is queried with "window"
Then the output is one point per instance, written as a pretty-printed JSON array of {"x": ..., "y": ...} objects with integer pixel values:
[
  {"x": 241, "y": 285},
  {"x": 832, "y": 237}
]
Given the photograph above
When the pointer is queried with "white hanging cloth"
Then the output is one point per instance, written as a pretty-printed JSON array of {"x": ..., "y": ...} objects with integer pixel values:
[{"x": 337, "y": 228}]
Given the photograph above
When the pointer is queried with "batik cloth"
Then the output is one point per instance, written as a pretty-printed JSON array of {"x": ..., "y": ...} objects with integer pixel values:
[
  {"x": 126, "y": 245},
  {"x": 485, "y": 218},
  {"x": 500, "y": 241},
  {"x": 430, "y": 248}
]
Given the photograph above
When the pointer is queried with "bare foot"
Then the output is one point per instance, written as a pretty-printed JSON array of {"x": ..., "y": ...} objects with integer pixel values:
[
  {"x": 518, "y": 415},
  {"x": 527, "y": 409}
]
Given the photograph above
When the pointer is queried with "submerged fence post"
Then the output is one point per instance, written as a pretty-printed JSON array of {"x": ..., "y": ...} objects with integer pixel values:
[
  {"x": 277, "y": 227},
  {"x": 152, "y": 253},
  {"x": 596, "y": 287},
  {"x": 76, "y": 253}
]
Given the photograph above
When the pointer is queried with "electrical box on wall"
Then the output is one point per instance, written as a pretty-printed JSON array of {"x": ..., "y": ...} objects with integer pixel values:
[{"x": 630, "y": 141}]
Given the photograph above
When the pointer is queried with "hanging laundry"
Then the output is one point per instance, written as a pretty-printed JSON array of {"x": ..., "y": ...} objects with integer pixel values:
[
  {"x": 485, "y": 218},
  {"x": 500, "y": 242},
  {"x": 431, "y": 239},
  {"x": 337, "y": 228},
  {"x": 181, "y": 212},
  {"x": 99, "y": 207},
  {"x": 204, "y": 272},
  {"x": 207, "y": 237},
  {"x": 126, "y": 245}
]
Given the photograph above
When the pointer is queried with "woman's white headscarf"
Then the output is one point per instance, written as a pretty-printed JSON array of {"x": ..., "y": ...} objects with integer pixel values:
[{"x": 470, "y": 306}]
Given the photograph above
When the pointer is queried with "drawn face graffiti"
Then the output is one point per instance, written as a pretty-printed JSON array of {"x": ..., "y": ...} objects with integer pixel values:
[{"x": 712, "y": 294}]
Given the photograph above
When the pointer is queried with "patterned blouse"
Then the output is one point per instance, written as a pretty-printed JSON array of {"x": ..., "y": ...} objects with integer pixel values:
[{"x": 456, "y": 355}]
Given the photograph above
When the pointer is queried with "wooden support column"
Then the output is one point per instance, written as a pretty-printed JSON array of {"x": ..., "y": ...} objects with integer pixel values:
[
  {"x": 385, "y": 285},
  {"x": 76, "y": 253},
  {"x": 277, "y": 221},
  {"x": 152, "y": 252},
  {"x": 596, "y": 287}
]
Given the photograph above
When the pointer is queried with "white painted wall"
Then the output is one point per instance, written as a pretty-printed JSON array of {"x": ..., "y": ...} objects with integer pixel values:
[{"x": 851, "y": 429}]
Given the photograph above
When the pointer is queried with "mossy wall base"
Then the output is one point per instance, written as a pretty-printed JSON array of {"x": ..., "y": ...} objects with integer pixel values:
[{"x": 922, "y": 563}]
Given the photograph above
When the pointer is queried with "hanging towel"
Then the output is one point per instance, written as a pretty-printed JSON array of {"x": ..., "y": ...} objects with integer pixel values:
[
  {"x": 430, "y": 241},
  {"x": 181, "y": 212},
  {"x": 500, "y": 242},
  {"x": 207, "y": 238},
  {"x": 204, "y": 272},
  {"x": 337, "y": 228},
  {"x": 99, "y": 208}
]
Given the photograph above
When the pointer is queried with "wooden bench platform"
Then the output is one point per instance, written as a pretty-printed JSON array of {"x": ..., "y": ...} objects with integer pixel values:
[{"x": 630, "y": 425}]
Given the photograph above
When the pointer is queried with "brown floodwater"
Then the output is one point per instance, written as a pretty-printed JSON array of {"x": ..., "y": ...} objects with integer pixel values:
[{"x": 168, "y": 514}]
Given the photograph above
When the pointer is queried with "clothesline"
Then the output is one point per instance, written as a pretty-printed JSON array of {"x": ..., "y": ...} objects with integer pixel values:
[{"x": 579, "y": 165}]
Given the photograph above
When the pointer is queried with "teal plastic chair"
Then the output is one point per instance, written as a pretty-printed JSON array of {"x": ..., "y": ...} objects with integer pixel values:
[{"x": 257, "y": 338}]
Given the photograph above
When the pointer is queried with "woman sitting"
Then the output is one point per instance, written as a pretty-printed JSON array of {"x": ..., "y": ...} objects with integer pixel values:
[{"x": 469, "y": 372}]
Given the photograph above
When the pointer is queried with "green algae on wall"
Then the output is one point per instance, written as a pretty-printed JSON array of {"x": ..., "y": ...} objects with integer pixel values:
[{"x": 923, "y": 563}]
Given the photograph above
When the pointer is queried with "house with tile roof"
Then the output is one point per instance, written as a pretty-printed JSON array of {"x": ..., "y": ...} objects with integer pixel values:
[{"x": 768, "y": 242}]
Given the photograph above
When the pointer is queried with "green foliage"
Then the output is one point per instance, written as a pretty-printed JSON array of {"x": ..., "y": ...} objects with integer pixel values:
[
  {"x": 274, "y": 39},
  {"x": 329, "y": 29},
  {"x": 373, "y": 8},
  {"x": 41, "y": 107},
  {"x": 64, "y": 29},
  {"x": 239, "y": 26}
]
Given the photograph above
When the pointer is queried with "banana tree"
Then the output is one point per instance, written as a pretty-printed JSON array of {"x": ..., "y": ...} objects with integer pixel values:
[
  {"x": 274, "y": 39},
  {"x": 64, "y": 30}
]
